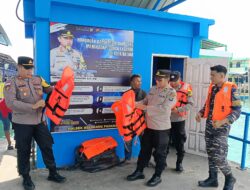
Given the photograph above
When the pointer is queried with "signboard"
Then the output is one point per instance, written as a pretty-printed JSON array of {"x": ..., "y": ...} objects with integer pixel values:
[{"x": 102, "y": 62}]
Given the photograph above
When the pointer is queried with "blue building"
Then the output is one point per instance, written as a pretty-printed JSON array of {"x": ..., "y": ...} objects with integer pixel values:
[{"x": 160, "y": 41}]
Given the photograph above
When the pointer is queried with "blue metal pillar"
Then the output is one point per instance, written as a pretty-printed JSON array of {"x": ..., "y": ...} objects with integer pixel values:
[{"x": 244, "y": 146}]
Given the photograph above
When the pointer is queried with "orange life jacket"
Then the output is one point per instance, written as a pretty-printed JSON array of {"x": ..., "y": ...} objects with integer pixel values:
[
  {"x": 96, "y": 154},
  {"x": 222, "y": 101},
  {"x": 94, "y": 147},
  {"x": 182, "y": 97},
  {"x": 129, "y": 120},
  {"x": 59, "y": 100}
]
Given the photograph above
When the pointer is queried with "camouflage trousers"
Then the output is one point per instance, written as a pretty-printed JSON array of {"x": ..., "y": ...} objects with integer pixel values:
[{"x": 217, "y": 148}]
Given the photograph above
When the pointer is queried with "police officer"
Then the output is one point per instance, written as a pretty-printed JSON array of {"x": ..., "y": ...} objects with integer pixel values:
[
  {"x": 135, "y": 83},
  {"x": 65, "y": 55},
  {"x": 179, "y": 115},
  {"x": 222, "y": 108},
  {"x": 157, "y": 105},
  {"x": 23, "y": 95}
]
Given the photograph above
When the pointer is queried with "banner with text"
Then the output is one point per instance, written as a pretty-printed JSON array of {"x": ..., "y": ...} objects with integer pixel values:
[{"x": 102, "y": 62}]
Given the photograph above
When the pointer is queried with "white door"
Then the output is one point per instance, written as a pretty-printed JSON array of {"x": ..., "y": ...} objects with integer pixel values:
[{"x": 197, "y": 73}]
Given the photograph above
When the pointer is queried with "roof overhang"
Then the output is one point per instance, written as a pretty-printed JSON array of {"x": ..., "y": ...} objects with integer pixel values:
[
  {"x": 33, "y": 14},
  {"x": 161, "y": 5},
  {"x": 210, "y": 44}
]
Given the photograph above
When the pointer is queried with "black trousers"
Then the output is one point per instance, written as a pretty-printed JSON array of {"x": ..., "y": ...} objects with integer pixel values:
[
  {"x": 157, "y": 140},
  {"x": 24, "y": 135},
  {"x": 179, "y": 137}
]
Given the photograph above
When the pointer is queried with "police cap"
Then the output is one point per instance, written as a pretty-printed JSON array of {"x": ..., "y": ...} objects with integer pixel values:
[
  {"x": 163, "y": 73},
  {"x": 174, "y": 76},
  {"x": 26, "y": 62},
  {"x": 66, "y": 33}
]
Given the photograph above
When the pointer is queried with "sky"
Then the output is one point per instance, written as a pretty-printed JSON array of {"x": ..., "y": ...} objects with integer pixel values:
[
  {"x": 231, "y": 24},
  {"x": 15, "y": 30}
]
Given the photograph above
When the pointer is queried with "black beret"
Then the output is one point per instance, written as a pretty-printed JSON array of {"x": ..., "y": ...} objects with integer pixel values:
[
  {"x": 174, "y": 76},
  {"x": 66, "y": 33},
  {"x": 163, "y": 73},
  {"x": 26, "y": 62}
]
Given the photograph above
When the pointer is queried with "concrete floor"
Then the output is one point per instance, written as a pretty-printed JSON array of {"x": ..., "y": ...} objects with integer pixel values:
[{"x": 114, "y": 179}]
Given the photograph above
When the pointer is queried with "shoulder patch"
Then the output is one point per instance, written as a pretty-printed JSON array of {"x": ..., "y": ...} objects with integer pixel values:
[
  {"x": 7, "y": 85},
  {"x": 236, "y": 103},
  {"x": 9, "y": 81},
  {"x": 190, "y": 93},
  {"x": 235, "y": 93},
  {"x": 44, "y": 83},
  {"x": 172, "y": 94}
]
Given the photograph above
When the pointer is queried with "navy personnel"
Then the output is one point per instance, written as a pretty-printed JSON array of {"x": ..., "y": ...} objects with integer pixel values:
[
  {"x": 157, "y": 104},
  {"x": 179, "y": 115},
  {"x": 23, "y": 95},
  {"x": 65, "y": 55},
  {"x": 222, "y": 108}
]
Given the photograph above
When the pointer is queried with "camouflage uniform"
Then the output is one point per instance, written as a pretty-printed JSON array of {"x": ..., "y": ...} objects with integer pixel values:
[
  {"x": 216, "y": 138},
  {"x": 61, "y": 57}
]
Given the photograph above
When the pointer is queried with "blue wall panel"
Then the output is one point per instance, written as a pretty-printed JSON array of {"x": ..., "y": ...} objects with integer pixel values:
[
  {"x": 177, "y": 64},
  {"x": 66, "y": 143},
  {"x": 147, "y": 44}
]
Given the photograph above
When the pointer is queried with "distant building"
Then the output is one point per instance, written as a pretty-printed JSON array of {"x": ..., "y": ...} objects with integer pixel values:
[
  {"x": 7, "y": 67},
  {"x": 239, "y": 73},
  {"x": 213, "y": 49},
  {"x": 239, "y": 66},
  {"x": 4, "y": 40},
  {"x": 7, "y": 64}
]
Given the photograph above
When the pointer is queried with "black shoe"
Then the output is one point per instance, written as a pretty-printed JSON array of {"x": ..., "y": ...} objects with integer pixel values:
[
  {"x": 136, "y": 175},
  {"x": 155, "y": 180},
  {"x": 211, "y": 181},
  {"x": 56, "y": 178},
  {"x": 229, "y": 182},
  {"x": 10, "y": 147},
  {"x": 179, "y": 167},
  {"x": 28, "y": 184}
]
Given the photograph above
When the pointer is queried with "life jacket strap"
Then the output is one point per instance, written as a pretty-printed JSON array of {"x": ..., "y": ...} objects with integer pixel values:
[
  {"x": 182, "y": 92},
  {"x": 130, "y": 127},
  {"x": 129, "y": 115},
  {"x": 133, "y": 132},
  {"x": 53, "y": 110},
  {"x": 61, "y": 93},
  {"x": 182, "y": 102}
]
